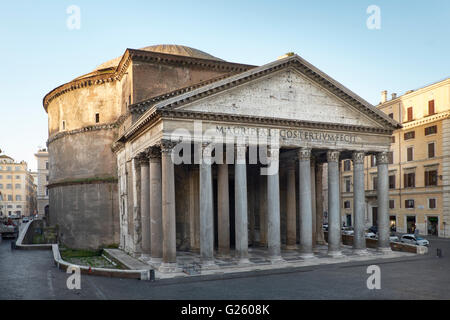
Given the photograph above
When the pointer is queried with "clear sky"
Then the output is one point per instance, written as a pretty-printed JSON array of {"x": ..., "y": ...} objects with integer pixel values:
[{"x": 39, "y": 52}]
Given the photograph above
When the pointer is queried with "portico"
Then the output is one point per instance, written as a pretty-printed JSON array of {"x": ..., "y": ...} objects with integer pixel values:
[{"x": 237, "y": 163}]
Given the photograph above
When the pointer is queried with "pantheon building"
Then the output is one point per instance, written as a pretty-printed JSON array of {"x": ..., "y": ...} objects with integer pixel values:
[{"x": 167, "y": 148}]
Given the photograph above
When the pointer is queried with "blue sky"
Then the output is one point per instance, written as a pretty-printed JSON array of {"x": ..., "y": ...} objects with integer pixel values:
[{"x": 39, "y": 53}]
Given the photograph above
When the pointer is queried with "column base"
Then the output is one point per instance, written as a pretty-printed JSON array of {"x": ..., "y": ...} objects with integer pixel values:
[
  {"x": 208, "y": 265},
  {"x": 156, "y": 261},
  {"x": 145, "y": 257},
  {"x": 360, "y": 252},
  {"x": 384, "y": 250},
  {"x": 276, "y": 260},
  {"x": 168, "y": 267},
  {"x": 243, "y": 261},
  {"x": 223, "y": 255},
  {"x": 335, "y": 254},
  {"x": 307, "y": 255},
  {"x": 291, "y": 247}
]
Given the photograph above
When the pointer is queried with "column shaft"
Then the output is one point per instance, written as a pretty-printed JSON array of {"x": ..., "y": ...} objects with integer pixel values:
[
  {"x": 304, "y": 156},
  {"x": 156, "y": 237},
  {"x": 262, "y": 211},
  {"x": 291, "y": 208},
  {"x": 168, "y": 209},
  {"x": 334, "y": 227},
  {"x": 319, "y": 204},
  {"x": 206, "y": 209},
  {"x": 145, "y": 206},
  {"x": 240, "y": 187},
  {"x": 359, "y": 238},
  {"x": 223, "y": 210},
  {"x": 273, "y": 208},
  {"x": 313, "y": 202},
  {"x": 383, "y": 202}
]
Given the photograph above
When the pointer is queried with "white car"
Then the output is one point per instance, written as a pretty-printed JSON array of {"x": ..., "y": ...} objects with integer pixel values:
[
  {"x": 394, "y": 238},
  {"x": 371, "y": 235},
  {"x": 413, "y": 239}
]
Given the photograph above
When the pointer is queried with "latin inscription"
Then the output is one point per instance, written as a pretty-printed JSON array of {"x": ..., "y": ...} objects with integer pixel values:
[{"x": 302, "y": 135}]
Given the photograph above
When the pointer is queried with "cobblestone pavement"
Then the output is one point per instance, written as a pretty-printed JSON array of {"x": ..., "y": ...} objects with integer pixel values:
[{"x": 32, "y": 275}]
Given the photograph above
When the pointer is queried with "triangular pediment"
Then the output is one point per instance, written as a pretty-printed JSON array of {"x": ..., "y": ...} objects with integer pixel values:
[{"x": 285, "y": 94}]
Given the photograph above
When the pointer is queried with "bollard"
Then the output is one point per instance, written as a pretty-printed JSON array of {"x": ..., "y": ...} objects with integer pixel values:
[
  {"x": 152, "y": 275},
  {"x": 438, "y": 253}
]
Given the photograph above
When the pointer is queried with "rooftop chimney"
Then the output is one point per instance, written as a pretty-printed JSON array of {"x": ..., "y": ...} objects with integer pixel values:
[
  {"x": 394, "y": 96},
  {"x": 383, "y": 96}
]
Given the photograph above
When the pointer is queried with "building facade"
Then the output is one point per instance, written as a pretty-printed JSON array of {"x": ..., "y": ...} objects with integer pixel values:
[
  {"x": 208, "y": 156},
  {"x": 16, "y": 187},
  {"x": 42, "y": 182},
  {"x": 419, "y": 164}
]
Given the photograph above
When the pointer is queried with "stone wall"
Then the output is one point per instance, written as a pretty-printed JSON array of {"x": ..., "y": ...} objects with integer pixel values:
[{"x": 86, "y": 214}]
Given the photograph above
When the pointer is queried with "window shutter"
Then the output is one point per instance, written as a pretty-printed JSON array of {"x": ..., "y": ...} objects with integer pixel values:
[
  {"x": 431, "y": 150},
  {"x": 431, "y": 107},
  {"x": 410, "y": 114}
]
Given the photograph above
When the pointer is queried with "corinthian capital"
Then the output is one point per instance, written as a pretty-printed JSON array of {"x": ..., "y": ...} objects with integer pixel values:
[
  {"x": 154, "y": 152},
  {"x": 167, "y": 146},
  {"x": 358, "y": 157},
  {"x": 333, "y": 156},
  {"x": 304, "y": 154},
  {"x": 382, "y": 158}
]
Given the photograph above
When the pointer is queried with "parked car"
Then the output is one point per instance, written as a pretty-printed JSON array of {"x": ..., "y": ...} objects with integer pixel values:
[
  {"x": 25, "y": 220},
  {"x": 371, "y": 235},
  {"x": 393, "y": 237},
  {"x": 348, "y": 231},
  {"x": 325, "y": 227},
  {"x": 373, "y": 229},
  {"x": 413, "y": 239}
]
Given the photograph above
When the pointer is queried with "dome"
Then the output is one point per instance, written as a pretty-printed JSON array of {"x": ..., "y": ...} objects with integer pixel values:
[{"x": 165, "y": 48}]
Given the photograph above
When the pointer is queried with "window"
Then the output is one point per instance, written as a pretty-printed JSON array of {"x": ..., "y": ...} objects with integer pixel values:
[
  {"x": 18, "y": 198},
  {"x": 409, "y": 203},
  {"x": 430, "y": 130},
  {"x": 347, "y": 185},
  {"x": 409, "y": 180},
  {"x": 391, "y": 204},
  {"x": 392, "y": 182},
  {"x": 18, "y": 168},
  {"x": 375, "y": 182},
  {"x": 410, "y": 135},
  {"x": 431, "y": 150},
  {"x": 17, "y": 177},
  {"x": 432, "y": 203},
  {"x": 9, "y": 168},
  {"x": 410, "y": 154},
  {"x": 46, "y": 178},
  {"x": 64, "y": 124},
  {"x": 9, "y": 177},
  {"x": 46, "y": 165},
  {"x": 431, "y": 178},
  {"x": 17, "y": 186},
  {"x": 347, "y": 204},
  {"x": 1, "y": 186},
  {"x": 410, "y": 114},
  {"x": 391, "y": 115},
  {"x": 97, "y": 117},
  {"x": 390, "y": 157},
  {"x": 373, "y": 160},
  {"x": 10, "y": 198},
  {"x": 9, "y": 186},
  {"x": 347, "y": 165},
  {"x": 393, "y": 139},
  {"x": 431, "y": 107}
]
